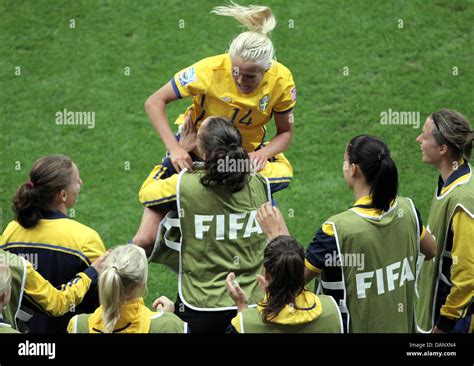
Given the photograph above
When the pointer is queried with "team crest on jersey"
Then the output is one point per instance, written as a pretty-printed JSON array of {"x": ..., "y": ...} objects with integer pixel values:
[
  {"x": 293, "y": 94},
  {"x": 264, "y": 102},
  {"x": 187, "y": 76},
  {"x": 226, "y": 99}
]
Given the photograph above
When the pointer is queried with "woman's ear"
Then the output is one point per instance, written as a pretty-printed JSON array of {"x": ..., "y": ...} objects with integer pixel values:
[
  {"x": 63, "y": 195},
  {"x": 354, "y": 169},
  {"x": 443, "y": 150}
]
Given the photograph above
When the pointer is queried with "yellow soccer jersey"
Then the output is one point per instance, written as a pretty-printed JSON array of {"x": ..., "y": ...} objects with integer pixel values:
[
  {"x": 55, "y": 233},
  {"x": 211, "y": 85}
]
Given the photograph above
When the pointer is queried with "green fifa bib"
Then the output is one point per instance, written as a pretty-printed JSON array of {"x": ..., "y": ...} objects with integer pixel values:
[
  {"x": 162, "y": 323},
  {"x": 379, "y": 258},
  {"x": 431, "y": 277},
  {"x": 219, "y": 235},
  {"x": 18, "y": 273},
  {"x": 328, "y": 322}
]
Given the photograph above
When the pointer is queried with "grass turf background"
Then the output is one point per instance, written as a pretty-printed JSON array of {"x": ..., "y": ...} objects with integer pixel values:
[{"x": 82, "y": 69}]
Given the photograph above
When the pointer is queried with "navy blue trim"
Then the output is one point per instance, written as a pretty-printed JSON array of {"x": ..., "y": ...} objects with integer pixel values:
[
  {"x": 262, "y": 143},
  {"x": 155, "y": 202},
  {"x": 462, "y": 170},
  {"x": 175, "y": 88},
  {"x": 92, "y": 273},
  {"x": 200, "y": 116},
  {"x": 275, "y": 187},
  {"x": 157, "y": 175},
  {"x": 50, "y": 246},
  {"x": 283, "y": 112},
  {"x": 289, "y": 178},
  {"x": 51, "y": 215}
]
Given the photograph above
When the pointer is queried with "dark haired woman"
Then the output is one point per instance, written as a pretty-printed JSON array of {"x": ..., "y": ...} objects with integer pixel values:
[
  {"x": 446, "y": 284},
  {"x": 287, "y": 306},
  {"x": 58, "y": 246},
  {"x": 367, "y": 256},
  {"x": 217, "y": 207},
  {"x": 159, "y": 197}
]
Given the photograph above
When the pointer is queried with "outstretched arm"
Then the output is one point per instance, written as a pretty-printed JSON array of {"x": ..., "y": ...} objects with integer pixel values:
[
  {"x": 278, "y": 144},
  {"x": 155, "y": 109}
]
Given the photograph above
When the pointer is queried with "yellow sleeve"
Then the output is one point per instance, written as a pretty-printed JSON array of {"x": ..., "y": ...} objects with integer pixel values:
[
  {"x": 311, "y": 267},
  {"x": 287, "y": 100},
  {"x": 192, "y": 81},
  {"x": 56, "y": 302},
  {"x": 236, "y": 323},
  {"x": 70, "y": 325},
  {"x": 279, "y": 168},
  {"x": 93, "y": 247},
  {"x": 462, "y": 255}
]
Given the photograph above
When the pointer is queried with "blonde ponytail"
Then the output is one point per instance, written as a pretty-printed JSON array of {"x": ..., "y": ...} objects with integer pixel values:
[
  {"x": 126, "y": 272},
  {"x": 256, "y": 18},
  {"x": 253, "y": 45}
]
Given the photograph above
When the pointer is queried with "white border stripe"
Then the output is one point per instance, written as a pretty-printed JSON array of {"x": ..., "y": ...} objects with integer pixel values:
[
  {"x": 342, "y": 272},
  {"x": 20, "y": 298}
]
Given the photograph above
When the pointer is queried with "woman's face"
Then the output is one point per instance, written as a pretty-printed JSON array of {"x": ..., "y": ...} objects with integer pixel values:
[
  {"x": 430, "y": 150},
  {"x": 247, "y": 75},
  {"x": 73, "y": 190}
]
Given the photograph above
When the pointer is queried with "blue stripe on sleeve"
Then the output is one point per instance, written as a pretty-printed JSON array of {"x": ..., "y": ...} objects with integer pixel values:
[{"x": 175, "y": 88}]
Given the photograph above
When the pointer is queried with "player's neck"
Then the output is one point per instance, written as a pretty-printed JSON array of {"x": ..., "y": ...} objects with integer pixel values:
[
  {"x": 447, "y": 167},
  {"x": 360, "y": 190},
  {"x": 61, "y": 208}
]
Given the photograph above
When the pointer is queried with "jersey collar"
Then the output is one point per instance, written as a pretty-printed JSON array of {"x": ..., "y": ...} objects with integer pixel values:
[
  {"x": 307, "y": 308},
  {"x": 460, "y": 176},
  {"x": 135, "y": 317},
  {"x": 53, "y": 214},
  {"x": 364, "y": 208}
]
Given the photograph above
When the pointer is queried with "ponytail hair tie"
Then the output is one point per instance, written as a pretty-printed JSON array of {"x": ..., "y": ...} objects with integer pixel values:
[
  {"x": 381, "y": 156},
  {"x": 30, "y": 184},
  {"x": 233, "y": 146}
]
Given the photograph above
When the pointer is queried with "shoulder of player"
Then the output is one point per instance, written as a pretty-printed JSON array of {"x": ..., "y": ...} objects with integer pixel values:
[
  {"x": 278, "y": 70},
  {"x": 78, "y": 228},
  {"x": 218, "y": 62}
]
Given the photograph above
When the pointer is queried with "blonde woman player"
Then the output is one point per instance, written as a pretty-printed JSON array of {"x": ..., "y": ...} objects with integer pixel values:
[
  {"x": 245, "y": 85},
  {"x": 122, "y": 285}
]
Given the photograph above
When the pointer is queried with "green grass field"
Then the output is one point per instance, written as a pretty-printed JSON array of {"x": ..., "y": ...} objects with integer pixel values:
[{"x": 426, "y": 65}]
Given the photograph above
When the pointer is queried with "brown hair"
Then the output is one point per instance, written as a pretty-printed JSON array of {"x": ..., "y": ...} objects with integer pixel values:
[
  {"x": 283, "y": 260},
  {"x": 454, "y": 130},
  {"x": 48, "y": 176},
  {"x": 221, "y": 142}
]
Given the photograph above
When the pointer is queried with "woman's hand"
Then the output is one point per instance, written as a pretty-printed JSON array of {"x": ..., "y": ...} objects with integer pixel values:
[
  {"x": 180, "y": 159},
  {"x": 236, "y": 293},
  {"x": 163, "y": 303},
  {"x": 271, "y": 221},
  {"x": 258, "y": 159},
  {"x": 99, "y": 263}
]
